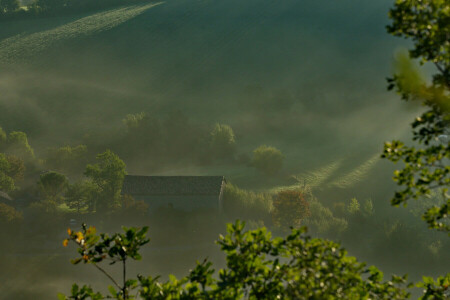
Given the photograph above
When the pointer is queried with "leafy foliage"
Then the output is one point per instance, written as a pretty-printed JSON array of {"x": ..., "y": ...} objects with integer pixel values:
[
  {"x": 435, "y": 289},
  {"x": 223, "y": 143},
  {"x": 17, "y": 144},
  {"x": 52, "y": 186},
  {"x": 6, "y": 181},
  {"x": 258, "y": 267},
  {"x": 426, "y": 24},
  {"x": 426, "y": 168},
  {"x": 117, "y": 248},
  {"x": 81, "y": 195},
  {"x": 108, "y": 174},
  {"x": 268, "y": 160}
]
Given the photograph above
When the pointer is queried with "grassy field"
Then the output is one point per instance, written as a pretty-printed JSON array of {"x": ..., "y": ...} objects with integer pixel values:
[{"x": 26, "y": 46}]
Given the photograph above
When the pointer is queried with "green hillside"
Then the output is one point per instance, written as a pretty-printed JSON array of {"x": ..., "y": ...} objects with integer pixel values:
[{"x": 299, "y": 75}]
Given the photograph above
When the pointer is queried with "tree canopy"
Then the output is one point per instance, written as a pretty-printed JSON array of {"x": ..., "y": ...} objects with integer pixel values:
[
  {"x": 108, "y": 174},
  {"x": 426, "y": 165},
  {"x": 257, "y": 267}
]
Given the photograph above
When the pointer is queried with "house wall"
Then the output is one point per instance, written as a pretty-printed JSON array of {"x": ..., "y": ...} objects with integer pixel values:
[{"x": 183, "y": 202}]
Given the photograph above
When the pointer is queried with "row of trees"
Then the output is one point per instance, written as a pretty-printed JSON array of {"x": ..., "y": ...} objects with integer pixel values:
[
  {"x": 174, "y": 139},
  {"x": 100, "y": 191}
]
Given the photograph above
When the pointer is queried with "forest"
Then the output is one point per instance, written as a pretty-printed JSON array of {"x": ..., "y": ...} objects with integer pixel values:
[{"x": 309, "y": 208}]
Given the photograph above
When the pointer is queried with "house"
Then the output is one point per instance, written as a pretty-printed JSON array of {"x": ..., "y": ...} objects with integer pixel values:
[{"x": 186, "y": 193}]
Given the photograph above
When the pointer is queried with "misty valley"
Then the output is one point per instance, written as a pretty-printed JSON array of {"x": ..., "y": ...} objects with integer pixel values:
[{"x": 205, "y": 149}]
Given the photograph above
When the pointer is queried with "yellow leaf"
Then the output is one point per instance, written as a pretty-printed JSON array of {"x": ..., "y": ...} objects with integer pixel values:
[
  {"x": 79, "y": 236},
  {"x": 65, "y": 242}
]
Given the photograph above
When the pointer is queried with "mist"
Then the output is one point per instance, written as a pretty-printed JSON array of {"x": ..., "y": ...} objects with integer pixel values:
[{"x": 307, "y": 77}]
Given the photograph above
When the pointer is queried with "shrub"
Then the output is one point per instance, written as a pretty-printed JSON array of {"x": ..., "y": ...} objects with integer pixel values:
[
  {"x": 267, "y": 160},
  {"x": 223, "y": 143}
]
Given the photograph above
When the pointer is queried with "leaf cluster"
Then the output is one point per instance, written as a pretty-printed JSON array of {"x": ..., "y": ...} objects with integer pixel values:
[
  {"x": 426, "y": 167},
  {"x": 257, "y": 267}
]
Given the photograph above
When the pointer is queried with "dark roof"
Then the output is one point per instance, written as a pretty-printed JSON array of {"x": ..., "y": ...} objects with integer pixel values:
[
  {"x": 172, "y": 185},
  {"x": 4, "y": 195}
]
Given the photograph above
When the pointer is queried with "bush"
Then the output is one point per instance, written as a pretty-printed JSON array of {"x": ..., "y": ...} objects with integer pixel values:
[
  {"x": 223, "y": 143},
  {"x": 267, "y": 160}
]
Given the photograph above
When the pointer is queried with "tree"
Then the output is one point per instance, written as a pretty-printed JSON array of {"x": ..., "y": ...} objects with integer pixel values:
[
  {"x": 17, "y": 144},
  {"x": 290, "y": 208},
  {"x": 81, "y": 195},
  {"x": 426, "y": 165},
  {"x": 223, "y": 143},
  {"x": 108, "y": 175},
  {"x": 257, "y": 267},
  {"x": 268, "y": 160},
  {"x": 52, "y": 186},
  {"x": 16, "y": 167},
  {"x": 6, "y": 181}
]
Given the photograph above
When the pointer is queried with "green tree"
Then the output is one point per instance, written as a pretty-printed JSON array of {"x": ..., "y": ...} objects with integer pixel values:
[
  {"x": 81, "y": 195},
  {"x": 222, "y": 143},
  {"x": 108, "y": 174},
  {"x": 268, "y": 160},
  {"x": 6, "y": 181},
  {"x": 426, "y": 165},
  {"x": 52, "y": 186},
  {"x": 17, "y": 144},
  {"x": 257, "y": 267},
  {"x": 16, "y": 168},
  {"x": 426, "y": 169}
]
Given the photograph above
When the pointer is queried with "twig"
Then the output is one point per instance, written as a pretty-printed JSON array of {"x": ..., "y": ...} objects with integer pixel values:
[{"x": 107, "y": 275}]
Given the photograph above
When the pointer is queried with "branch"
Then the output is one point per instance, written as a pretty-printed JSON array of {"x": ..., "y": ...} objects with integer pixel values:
[
  {"x": 107, "y": 275},
  {"x": 439, "y": 67},
  {"x": 124, "y": 279}
]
